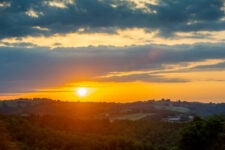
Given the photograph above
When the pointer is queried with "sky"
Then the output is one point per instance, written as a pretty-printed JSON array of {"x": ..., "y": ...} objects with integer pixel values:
[{"x": 118, "y": 50}]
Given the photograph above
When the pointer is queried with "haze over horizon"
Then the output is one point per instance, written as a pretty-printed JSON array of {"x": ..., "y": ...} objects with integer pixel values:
[{"x": 113, "y": 50}]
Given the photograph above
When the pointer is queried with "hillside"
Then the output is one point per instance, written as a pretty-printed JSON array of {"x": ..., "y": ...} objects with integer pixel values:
[
  {"x": 44, "y": 124},
  {"x": 161, "y": 110}
]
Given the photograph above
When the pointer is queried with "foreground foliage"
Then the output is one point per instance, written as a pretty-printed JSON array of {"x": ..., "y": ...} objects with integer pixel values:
[{"x": 60, "y": 133}]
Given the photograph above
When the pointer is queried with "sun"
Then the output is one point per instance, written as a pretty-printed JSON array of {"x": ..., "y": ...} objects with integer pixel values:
[{"x": 81, "y": 91}]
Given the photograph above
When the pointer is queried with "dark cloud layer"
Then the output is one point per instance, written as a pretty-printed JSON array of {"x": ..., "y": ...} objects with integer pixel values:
[
  {"x": 99, "y": 15},
  {"x": 34, "y": 68}
]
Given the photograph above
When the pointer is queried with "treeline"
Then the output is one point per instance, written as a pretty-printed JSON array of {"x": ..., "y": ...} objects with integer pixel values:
[
  {"x": 85, "y": 110},
  {"x": 60, "y": 133}
]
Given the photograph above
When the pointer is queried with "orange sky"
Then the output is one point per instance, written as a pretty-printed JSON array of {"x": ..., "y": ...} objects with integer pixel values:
[{"x": 132, "y": 91}]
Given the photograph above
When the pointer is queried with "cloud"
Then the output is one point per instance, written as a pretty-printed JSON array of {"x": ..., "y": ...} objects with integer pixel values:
[
  {"x": 33, "y": 13},
  {"x": 143, "y": 78},
  {"x": 118, "y": 38},
  {"x": 212, "y": 67},
  {"x": 38, "y": 68},
  {"x": 168, "y": 16}
]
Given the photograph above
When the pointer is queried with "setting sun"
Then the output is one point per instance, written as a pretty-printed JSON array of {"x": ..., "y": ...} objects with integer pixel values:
[{"x": 81, "y": 91}]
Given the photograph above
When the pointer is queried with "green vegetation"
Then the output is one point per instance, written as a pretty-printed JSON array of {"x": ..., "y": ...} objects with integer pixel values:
[
  {"x": 61, "y": 133},
  {"x": 134, "y": 116},
  {"x": 43, "y": 124},
  {"x": 208, "y": 134}
]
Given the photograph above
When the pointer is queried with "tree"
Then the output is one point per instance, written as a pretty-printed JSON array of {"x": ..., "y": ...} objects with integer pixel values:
[{"x": 204, "y": 134}]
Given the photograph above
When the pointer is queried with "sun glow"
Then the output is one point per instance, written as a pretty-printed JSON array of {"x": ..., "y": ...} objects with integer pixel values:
[{"x": 81, "y": 91}]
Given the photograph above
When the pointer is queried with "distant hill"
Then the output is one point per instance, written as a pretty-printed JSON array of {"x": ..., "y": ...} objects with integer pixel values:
[{"x": 164, "y": 109}]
